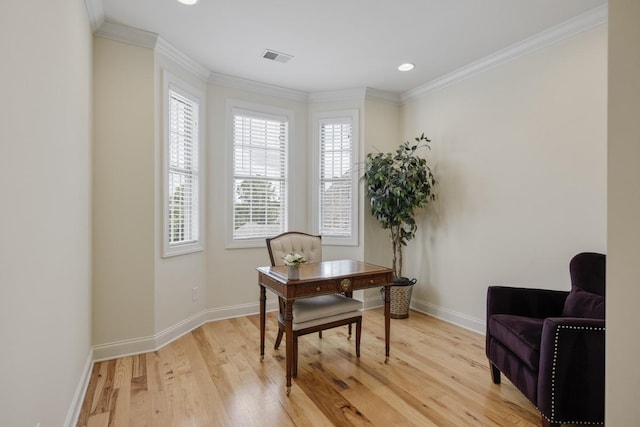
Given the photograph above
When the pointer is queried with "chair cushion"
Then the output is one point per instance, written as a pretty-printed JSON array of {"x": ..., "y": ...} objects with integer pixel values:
[
  {"x": 519, "y": 334},
  {"x": 306, "y": 309},
  {"x": 581, "y": 303},
  {"x": 303, "y": 325}
]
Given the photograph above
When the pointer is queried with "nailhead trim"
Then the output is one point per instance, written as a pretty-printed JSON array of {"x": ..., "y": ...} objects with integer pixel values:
[{"x": 553, "y": 373}]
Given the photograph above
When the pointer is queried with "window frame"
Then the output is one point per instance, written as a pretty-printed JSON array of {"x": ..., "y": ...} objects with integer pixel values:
[
  {"x": 171, "y": 83},
  {"x": 259, "y": 111},
  {"x": 338, "y": 116}
]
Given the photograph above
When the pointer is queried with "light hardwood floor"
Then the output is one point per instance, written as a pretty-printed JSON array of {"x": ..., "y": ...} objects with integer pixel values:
[{"x": 437, "y": 375}]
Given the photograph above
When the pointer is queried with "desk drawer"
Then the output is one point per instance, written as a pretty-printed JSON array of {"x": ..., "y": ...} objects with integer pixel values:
[
  {"x": 329, "y": 287},
  {"x": 369, "y": 282}
]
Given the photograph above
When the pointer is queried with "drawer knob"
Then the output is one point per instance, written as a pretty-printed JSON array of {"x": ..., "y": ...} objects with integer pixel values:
[
  {"x": 345, "y": 284},
  {"x": 371, "y": 281},
  {"x": 318, "y": 289}
]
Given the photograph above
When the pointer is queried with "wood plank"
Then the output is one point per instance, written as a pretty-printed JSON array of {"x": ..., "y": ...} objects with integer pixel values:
[
  {"x": 140, "y": 399},
  {"x": 122, "y": 392},
  {"x": 99, "y": 420},
  {"x": 95, "y": 382}
]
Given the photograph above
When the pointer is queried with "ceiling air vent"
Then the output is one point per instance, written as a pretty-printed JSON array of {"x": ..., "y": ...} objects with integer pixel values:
[{"x": 276, "y": 56}]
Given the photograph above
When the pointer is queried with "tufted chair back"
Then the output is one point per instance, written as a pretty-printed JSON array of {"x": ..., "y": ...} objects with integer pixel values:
[
  {"x": 588, "y": 272},
  {"x": 307, "y": 245}
]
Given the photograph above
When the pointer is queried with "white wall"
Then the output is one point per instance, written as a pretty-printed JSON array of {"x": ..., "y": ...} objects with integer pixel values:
[
  {"x": 45, "y": 249},
  {"x": 175, "y": 276},
  {"x": 141, "y": 299},
  {"x": 623, "y": 268},
  {"x": 123, "y": 191},
  {"x": 520, "y": 154},
  {"x": 383, "y": 132},
  {"x": 231, "y": 275}
]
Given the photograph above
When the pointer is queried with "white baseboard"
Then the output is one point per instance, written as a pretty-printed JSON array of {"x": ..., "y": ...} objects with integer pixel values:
[
  {"x": 442, "y": 313},
  {"x": 372, "y": 302},
  {"x": 78, "y": 397},
  {"x": 152, "y": 343},
  {"x": 460, "y": 319}
]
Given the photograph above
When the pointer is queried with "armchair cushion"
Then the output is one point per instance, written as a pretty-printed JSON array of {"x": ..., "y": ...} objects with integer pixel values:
[
  {"x": 519, "y": 334},
  {"x": 584, "y": 304}
]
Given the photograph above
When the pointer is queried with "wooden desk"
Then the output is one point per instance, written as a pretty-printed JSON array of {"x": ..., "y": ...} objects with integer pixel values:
[{"x": 322, "y": 278}]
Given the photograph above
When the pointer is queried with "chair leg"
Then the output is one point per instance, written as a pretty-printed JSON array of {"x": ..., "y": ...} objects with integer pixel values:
[
  {"x": 546, "y": 423},
  {"x": 358, "y": 330},
  {"x": 320, "y": 334},
  {"x": 294, "y": 374},
  {"x": 349, "y": 336},
  {"x": 495, "y": 374},
  {"x": 278, "y": 338}
]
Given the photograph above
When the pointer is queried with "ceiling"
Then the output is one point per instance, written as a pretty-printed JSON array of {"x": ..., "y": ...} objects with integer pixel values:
[{"x": 343, "y": 44}]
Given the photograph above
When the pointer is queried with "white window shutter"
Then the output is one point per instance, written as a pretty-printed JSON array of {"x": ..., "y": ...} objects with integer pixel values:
[
  {"x": 336, "y": 177},
  {"x": 183, "y": 203},
  {"x": 259, "y": 175}
]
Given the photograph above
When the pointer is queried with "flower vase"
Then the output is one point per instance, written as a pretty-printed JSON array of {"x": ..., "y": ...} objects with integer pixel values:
[{"x": 294, "y": 272}]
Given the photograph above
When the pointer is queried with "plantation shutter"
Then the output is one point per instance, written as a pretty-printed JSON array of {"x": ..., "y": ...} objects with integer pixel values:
[
  {"x": 182, "y": 170},
  {"x": 336, "y": 179},
  {"x": 259, "y": 175}
]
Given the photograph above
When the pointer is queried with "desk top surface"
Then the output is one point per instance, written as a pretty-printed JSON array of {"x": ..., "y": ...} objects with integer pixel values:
[{"x": 325, "y": 270}]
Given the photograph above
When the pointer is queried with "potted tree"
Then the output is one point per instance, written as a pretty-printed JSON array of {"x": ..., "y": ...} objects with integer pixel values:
[{"x": 396, "y": 184}]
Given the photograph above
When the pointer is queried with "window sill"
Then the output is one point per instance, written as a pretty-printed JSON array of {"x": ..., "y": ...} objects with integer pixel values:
[{"x": 182, "y": 249}]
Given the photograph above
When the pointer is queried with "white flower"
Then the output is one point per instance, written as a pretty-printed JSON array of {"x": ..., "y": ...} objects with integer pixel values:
[{"x": 294, "y": 259}]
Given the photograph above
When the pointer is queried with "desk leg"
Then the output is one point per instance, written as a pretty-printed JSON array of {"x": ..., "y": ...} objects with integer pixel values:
[
  {"x": 288, "y": 321},
  {"x": 263, "y": 302},
  {"x": 387, "y": 321}
]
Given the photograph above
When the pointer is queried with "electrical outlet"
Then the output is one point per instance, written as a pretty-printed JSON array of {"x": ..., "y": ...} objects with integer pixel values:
[{"x": 194, "y": 294}]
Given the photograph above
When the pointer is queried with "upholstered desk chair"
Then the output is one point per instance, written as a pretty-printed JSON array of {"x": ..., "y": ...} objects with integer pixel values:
[
  {"x": 550, "y": 344},
  {"x": 313, "y": 314}
]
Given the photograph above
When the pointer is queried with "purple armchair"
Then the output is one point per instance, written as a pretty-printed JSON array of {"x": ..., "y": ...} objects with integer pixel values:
[{"x": 550, "y": 344}]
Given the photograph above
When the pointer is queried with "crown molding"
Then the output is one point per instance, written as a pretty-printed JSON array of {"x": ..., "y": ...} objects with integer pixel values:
[
  {"x": 95, "y": 13},
  {"x": 142, "y": 38},
  {"x": 257, "y": 87},
  {"x": 383, "y": 96},
  {"x": 167, "y": 49},
  {"x": 358, "y": 94},
  {"x": 337, "y": 95},
  {"x": 573, "y": 26},
  {"x": 124, "y": 33}
]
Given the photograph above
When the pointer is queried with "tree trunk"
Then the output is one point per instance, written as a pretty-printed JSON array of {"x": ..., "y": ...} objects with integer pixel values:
[{"x": 397, "y": 251}]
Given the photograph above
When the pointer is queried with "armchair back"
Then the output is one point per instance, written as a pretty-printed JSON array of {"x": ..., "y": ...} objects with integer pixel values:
[{"x": 588, "y": 272}]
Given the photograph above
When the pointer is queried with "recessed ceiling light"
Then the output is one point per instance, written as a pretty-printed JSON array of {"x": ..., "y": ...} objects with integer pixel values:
[
  {"x": 189, "y": 2},
  {"x": 406, "y": 67}
]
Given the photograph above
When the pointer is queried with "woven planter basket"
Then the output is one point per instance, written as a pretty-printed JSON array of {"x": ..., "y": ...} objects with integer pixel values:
[{"x": 400, "y": 297}]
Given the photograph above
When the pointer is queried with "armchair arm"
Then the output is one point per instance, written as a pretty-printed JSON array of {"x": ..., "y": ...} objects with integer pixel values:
[
  {"x": 571, "y": 371},
  {"x": 539, "y": 303}
]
